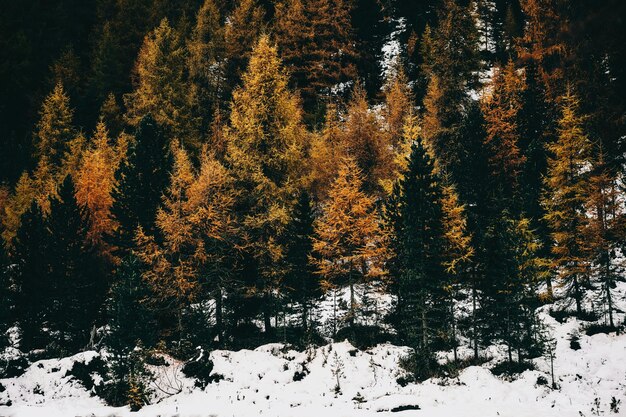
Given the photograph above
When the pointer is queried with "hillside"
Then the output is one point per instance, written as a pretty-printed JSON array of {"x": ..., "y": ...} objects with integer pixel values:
[{"x": 266, "y": 381}]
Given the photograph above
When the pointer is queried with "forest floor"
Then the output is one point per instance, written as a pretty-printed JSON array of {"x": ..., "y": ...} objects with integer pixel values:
[{"x": 339, "y": 380}]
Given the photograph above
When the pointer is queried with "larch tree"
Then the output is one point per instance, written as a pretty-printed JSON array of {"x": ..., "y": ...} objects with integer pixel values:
[
  {"x": 365, "y": 142},
  {"x": 451, "y": 65},
  {"x": 350, "y": 246},
  {"x": 194, "y": 255},
  {"x": 162, "y": 89},
  {"x": 265, "y": 149},
  {"x": 245, "y": 24},
  {"x": 206, "y": 62},
  {"x": 95, "y": 182},
  {"x": 317, "y": 44},
  {"x": 566, "y": 193},
  {"x": 501, "y": 109},
  {"x": 55, "y": 130}
]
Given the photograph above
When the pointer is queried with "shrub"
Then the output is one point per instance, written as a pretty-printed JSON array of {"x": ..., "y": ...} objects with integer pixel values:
[
  {"x": 511, "y": 368},
  {"x": 363, "y": 337},
  {"x": 200, "y": 369},
  {"x": 83, "y": 372}
]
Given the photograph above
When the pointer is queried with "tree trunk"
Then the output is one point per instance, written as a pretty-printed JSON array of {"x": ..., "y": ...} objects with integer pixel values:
[
  {"x": 267, "y": 316},
  {"x": 219, "y": 325}
]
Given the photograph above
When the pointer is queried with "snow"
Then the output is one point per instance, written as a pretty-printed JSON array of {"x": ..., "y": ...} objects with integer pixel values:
[{"x": 340, "y": 380}]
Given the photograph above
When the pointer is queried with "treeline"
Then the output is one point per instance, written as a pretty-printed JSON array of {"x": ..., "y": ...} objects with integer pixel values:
[{"x": 247, "y": 159}]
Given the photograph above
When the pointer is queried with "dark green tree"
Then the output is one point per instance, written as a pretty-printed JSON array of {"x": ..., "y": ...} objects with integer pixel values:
[
  {"x": 141, "y": 180},
  {"x": 301, "y": 282},
  {"x": 415, "y": 219},
  {"x": 30, "y": 274},
  {"x": 76, "y": 275}
]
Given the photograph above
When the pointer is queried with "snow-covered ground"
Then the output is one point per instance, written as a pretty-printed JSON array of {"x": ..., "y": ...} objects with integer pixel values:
[{"x": 340, "y": 380}]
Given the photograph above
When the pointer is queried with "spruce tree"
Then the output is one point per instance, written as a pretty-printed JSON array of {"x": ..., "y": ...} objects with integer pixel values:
[
  {"x": 416, "y": 221},
  {"x": 31, "y": 258},
  {"x": 301, "y": 282},
  {"x": 77, "y": 282},
  {"x": 140, "y": 181},
  {"x": 7, "y": 296}
]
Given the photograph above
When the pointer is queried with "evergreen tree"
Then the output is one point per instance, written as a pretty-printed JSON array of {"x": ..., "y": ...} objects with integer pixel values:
[
  {"x": 537, "y": 129},
  {"x": 77, "y": 283},
  {"x": 565, "y": 198},
  {"x": 350, "y": 246},
  {"x": 416, "y": 221},
  {"x": 602, "y": 232},
  {"x": 301, "y": 283},
  {"x": 139, "y": 183},
  {"x": 7, "y": 296},
  {"x": 31, "y": 258},
  {"x": 131, "y": 325},
  {"x": 507, "y": 302},
  {"x": 450, "y": 64}
]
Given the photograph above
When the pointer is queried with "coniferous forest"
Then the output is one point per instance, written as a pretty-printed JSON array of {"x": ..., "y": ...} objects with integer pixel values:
[{"x": 184, "y": 175}]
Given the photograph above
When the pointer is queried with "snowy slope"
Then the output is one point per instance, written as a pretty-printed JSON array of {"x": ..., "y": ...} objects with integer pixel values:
[{"x": 343, "y": 381}]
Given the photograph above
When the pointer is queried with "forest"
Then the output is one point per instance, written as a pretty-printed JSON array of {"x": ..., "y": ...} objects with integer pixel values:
[{"x": 184, "y": 174}]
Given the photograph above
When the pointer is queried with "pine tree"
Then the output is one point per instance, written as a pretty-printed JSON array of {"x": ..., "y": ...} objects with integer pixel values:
[
  {"x": 31, "y": 258},
  {"x": 162, "y": 88},
  {"x": 565, "y": 198},
  {"x": 265, "y": 150},
  {"x": 139, "y": 183},
  {"x": 416, "y": 221},
  {"x": 77, "y": 283},
  {"x": 349, "y": 245}
]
